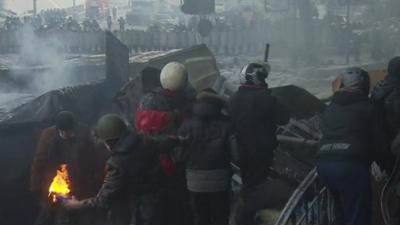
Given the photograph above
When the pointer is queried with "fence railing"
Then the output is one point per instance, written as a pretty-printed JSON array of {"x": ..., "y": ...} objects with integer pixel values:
[{"x": 310, "y": 204}]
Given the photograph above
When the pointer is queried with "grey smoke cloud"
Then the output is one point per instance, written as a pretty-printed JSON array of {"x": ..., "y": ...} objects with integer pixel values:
[{"x": 43, "y": 52}]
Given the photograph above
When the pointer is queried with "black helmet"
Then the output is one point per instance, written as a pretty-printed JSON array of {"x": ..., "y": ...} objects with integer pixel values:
[
  {"x": 355, "y": 78},
  {"x": 65, "y": 121},
  {"x": 255, "y": 73},
  {"x": 394, "y": 66}
]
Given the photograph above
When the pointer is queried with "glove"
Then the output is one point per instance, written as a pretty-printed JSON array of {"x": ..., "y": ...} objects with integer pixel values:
[{"x": 72, "y": 204}]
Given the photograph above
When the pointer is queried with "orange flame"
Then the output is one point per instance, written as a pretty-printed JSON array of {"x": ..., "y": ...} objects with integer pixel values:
[{"x": 60, "y": 184}]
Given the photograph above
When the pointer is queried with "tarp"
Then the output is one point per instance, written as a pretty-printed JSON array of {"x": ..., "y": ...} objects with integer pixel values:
[
  {"x": 301, "y": 103},
  {"x": 20, "y": 129},
  {"x": 199, "y": 61}
]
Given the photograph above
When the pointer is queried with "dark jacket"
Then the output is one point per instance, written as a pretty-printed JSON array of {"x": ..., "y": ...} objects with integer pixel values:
[
  {"x": 386, "y": 96},
  {"x": 161, "y": 111},
  {"x": 347, "y": 128},
  {"x": 256, "y": 114},
  {"x": 133, "y": 169},
  {"x": 207, "y": 152},
  {"x": 386, "y": 100},
  {"x": 209, "y": 134},
  {"x": 85, "y": 164}
]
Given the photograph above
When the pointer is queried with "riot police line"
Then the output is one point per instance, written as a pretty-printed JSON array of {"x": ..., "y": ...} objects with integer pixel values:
[{"x": 229, "y": 42}]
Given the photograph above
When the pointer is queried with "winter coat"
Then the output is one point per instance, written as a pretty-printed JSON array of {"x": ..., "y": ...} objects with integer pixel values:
[
  {"x": 162, "y": 112},
  {"x": 132, "y": 170},
  {"x": 84, "y": 163},
  {"x": 207, "y": 150},
  {"x": 347, "y": 128},
  {"x": 386, "y": 100},
  {"x": 256, "y": 114},
  {"x": 386, "y": 96}
]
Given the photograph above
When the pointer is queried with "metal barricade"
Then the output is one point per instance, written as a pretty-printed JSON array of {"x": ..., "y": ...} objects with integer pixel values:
[{"x": 310, "y": 204}]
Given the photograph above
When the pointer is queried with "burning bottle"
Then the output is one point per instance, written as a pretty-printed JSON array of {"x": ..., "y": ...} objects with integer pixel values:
[{"x": 60, "y": 185}]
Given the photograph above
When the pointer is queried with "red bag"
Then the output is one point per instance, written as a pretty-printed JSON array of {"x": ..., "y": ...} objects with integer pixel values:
[{"x": 151, "y": 122}]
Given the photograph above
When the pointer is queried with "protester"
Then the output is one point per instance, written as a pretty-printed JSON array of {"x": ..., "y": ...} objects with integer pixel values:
[
  {"x": 207, "y": 154},
  {"x": 386, "y": 100},
  {"x": 132, "y": 171},
  {"x": 255, "y": 114},
  {"x": 162, "y": 111},
  {"x": 68, "y": 142},
  {"x": 346, "y": 151}
]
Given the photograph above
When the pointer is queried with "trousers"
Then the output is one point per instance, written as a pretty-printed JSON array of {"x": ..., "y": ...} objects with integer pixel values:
[
  {"x": 350, "y": 184},
  {"x": 211, "y": 208}
]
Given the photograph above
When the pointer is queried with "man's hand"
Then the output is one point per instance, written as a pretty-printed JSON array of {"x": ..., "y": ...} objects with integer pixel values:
[
  {"x": 72, "y": 204},
  {"x": 184, "y": 139}
]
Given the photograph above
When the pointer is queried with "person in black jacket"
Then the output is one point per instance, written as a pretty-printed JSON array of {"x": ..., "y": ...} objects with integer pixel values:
[
  {"x": 346, "y": 150},
  {"x": 386, "y": 100},
  {"x": 207, "y": 154},
  {"x": 255, "y": 115},
  {"x": 132, "y": 171}
]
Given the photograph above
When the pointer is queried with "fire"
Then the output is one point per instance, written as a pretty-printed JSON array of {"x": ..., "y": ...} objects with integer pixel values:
[{"x": 60, "y": 184}]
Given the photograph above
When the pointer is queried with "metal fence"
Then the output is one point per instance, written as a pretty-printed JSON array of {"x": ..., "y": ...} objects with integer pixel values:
[{"x": 310, "y": 204}]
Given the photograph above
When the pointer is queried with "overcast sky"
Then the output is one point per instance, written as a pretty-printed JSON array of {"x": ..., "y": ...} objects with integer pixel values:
[{"x": 21, "y": 6}]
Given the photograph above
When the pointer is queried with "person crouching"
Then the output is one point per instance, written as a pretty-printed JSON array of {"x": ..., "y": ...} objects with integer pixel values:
[
  {"x": 344, "y": 157},
  {"x": 207, "y": 156}
]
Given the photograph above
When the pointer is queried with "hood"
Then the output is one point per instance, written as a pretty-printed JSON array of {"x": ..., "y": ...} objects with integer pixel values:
[
  {"x": 383, "y": 88},
  {"x": 208, "y": 105},
  {"x": 348, "y": 97},
  {"x": 394, "y": 67}
]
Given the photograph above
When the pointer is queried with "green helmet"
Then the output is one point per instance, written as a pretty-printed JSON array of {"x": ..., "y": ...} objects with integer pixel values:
[{"x": 109, "y": 127}]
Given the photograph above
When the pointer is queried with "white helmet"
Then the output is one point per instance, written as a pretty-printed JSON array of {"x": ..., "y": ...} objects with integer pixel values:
[{"x": 173, "y": 76}]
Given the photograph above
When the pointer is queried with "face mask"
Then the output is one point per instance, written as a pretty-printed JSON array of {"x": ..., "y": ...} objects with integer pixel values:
[{"x": 66, "y": 135}]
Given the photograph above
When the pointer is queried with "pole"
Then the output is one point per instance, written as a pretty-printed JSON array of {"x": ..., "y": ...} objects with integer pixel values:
[
  {"x": 34, "y": 7},
  {"x": 348, "y": 32},
  {"x": 73, "y": 8},
  {"x": 266, "y": 54},
  {"x": 294, "y": 50}
]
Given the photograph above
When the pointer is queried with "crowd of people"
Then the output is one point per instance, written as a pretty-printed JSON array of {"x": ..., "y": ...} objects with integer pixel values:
[
  {"x": 178, "y": 153},
  {"x": 44, "y": 22},
  {"x": 173, "y": 165}
]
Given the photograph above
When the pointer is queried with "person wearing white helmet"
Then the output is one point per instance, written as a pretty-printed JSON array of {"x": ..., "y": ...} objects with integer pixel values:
[
  {"x": 159, "y": 110},
  {"x": 162, "y": 111},
  {"x": 174, "y": 76}
]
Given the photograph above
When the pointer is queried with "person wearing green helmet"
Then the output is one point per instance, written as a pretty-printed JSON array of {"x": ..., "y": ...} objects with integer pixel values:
[{"x": 133, "y": 169}]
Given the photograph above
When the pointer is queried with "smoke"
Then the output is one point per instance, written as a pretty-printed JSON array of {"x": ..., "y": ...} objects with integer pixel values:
[{"x": 42, "y": 62}]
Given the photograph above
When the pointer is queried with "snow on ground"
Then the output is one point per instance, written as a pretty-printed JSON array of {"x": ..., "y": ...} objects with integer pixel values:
[{"x": 316, "y": 80}]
